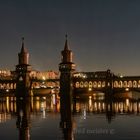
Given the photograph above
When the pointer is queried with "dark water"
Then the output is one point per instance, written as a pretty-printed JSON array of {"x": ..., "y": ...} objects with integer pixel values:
[{"x": 40, "y": 119}]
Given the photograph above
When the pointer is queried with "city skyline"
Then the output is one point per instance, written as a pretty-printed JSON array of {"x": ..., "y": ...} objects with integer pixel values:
[{"x": 102, "y": 35}]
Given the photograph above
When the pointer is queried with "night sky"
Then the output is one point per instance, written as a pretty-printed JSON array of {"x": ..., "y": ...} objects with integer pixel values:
[{"x": 101, "y": 33}]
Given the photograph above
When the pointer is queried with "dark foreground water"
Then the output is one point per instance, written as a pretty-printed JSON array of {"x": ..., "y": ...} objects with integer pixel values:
[{"x": 39, "y": 119}]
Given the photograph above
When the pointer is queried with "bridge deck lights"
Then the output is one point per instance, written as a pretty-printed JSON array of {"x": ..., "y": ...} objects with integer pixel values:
[
  {"x": 90, "y": 89},
  {"x": 127, "y": 89}
]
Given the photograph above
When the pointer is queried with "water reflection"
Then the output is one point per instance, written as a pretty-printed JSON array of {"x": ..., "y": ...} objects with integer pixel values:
[
  {"x": 24, "y": 111},
  {"x": 23, "y": 118},
  {"x": 9, "y": 106},
  {"x": 66, "y": 122}
]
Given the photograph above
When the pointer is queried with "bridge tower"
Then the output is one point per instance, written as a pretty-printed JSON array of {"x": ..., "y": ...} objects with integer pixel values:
[
  {"x": 66, "y": 68},
  {"x": 22, "y": 73}
]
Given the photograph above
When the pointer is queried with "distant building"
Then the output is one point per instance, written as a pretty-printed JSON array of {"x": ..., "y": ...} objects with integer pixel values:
[
  {"x": 44, "y": 74},
  {"x": 96, "y": 74}
]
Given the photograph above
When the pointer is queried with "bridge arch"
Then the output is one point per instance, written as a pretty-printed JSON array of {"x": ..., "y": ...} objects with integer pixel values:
[
  {"x": 99, "y": 84},
  {"x": 81, "y": 84},
  {"x": 90, "y": 84},
  {"x": 120, "y": 84},
  {"x": 103, "y": 84},
  {"x": 95, "y": 84},
  {"x": 116, "y": 84},
  {"x": 86, "y": 84},
  {"x": 77, "y": 84},
  {"x": 130, "y": 85},
  {"x": 135, "y": 84},
  {"x": 125, "y": 84}
]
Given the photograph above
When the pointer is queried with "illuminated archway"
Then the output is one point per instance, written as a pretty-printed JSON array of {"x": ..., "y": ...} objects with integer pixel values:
[
  {"x": 90, "y": 84},
  {"x": 125, "y": 84},
  {"x": 103, "y": 84},
  {"x": 95, "y": 84},
  {"x": 81, "y": 84},
  {"x": 77, "y": 84},
  {"x": 116, "y": 84},
  {"x": 135, "y": 84},
  {"x": 86, "y": 84},
  {"x": 99, "y": 84},
  {"x": 120, "y": 84},
  {"x": 130, "y": 84}
]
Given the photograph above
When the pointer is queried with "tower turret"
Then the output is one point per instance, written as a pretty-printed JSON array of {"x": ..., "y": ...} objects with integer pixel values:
[
  {"x": 66, "y": 61},
  {"x": 66, "y": 53},
  {"x": 23, "y": 55}
]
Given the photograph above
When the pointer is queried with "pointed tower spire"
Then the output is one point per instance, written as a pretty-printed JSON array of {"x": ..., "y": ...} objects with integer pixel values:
[
  {"x": 66, "y": 43},
  {"x": 23, "y": 55},
  {"x": 23, "y": 48}
]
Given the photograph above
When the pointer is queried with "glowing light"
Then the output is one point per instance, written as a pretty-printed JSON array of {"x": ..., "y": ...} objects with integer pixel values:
[
  {"x": 127, "y": 89},
  {"x": 7, "y": 103},
  {"x": 127, "y": 102},
  {"x": 90, "y": 89},
  {"x": 53, "y": 99},
  {"x": 43, "y": 77},
  {"x": 90, "y": 97},
  {"x": 84, "y": 76},
  {"x": 7, "y": 90}
]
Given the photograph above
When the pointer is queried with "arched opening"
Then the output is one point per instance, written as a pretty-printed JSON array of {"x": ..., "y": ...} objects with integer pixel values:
[
  {"x": 103, "y": 84},
  {"x": 86, "y": 84},
  {"x": 4, "y": 86},
  {"x": 81, "y": 84},
  {"x": 125, "y": 84},
  {"x": 77, "y": 85},
  {"x": 99, "y": 84},
  {"x": 15, "y": 86},
  {"x": 120, "y": 84},
  {"x": 116, "y": 85},
  {"x": 90, "y": 84},
  {"x": 95, "y": 84},
  {"x": 134, "y": 84},
  {"x": 130, "y": 84}
]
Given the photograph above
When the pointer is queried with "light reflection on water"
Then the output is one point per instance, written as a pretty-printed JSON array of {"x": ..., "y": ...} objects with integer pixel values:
[{"x": 40, "y": 117}]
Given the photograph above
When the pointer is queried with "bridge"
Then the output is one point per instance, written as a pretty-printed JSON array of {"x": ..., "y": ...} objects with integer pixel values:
[
  {"x": 44, "y": 86},
  {"x": 104, "y": 81},
  {"x": 99, "y": 81}
]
